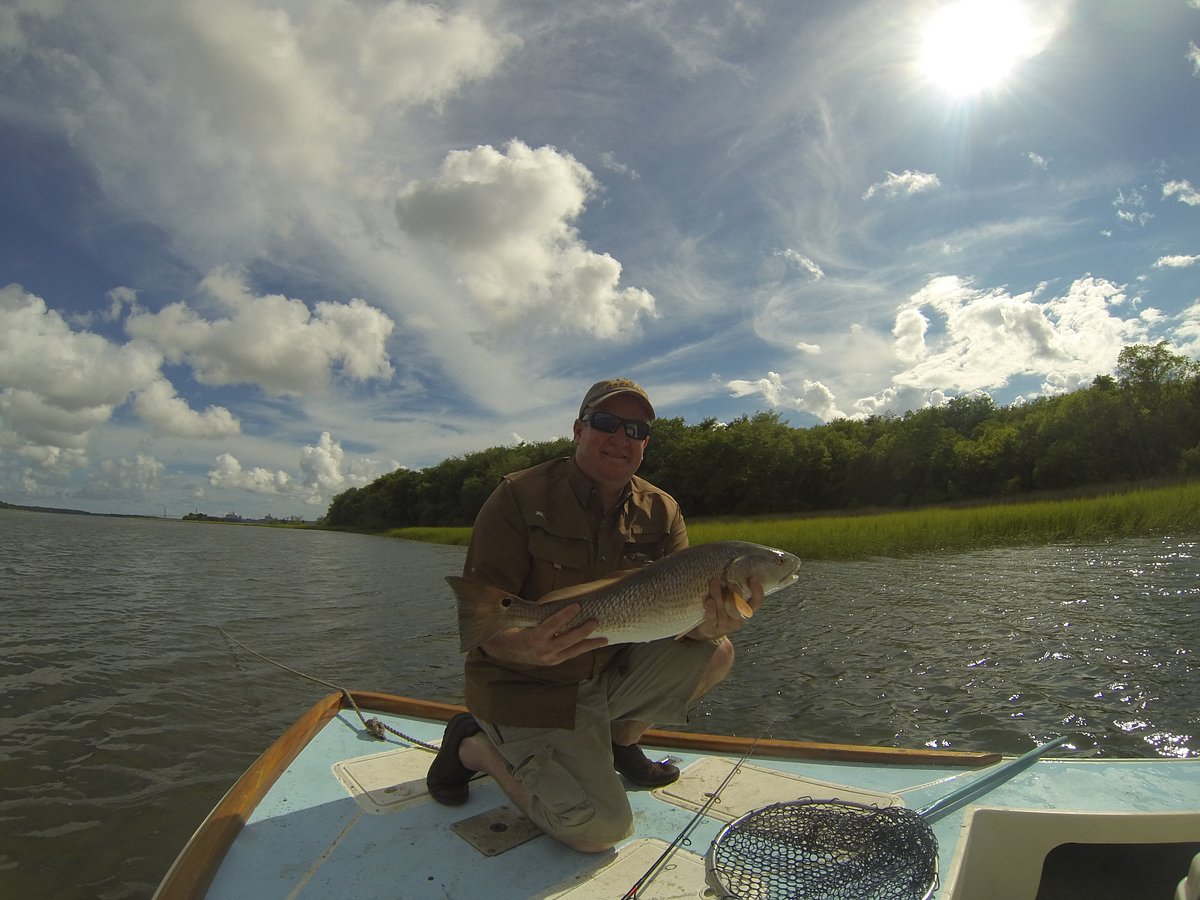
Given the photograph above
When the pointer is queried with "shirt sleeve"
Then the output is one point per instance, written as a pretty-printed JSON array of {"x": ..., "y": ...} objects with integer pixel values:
[
  {"x": 499, "y": 550},
  {"x": 677, "y": 536}
]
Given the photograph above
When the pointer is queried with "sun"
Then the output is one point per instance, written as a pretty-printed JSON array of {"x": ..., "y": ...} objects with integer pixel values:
[{"x": 972, "y": 45}]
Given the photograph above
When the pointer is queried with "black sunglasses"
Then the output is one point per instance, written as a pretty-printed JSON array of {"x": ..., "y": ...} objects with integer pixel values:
[{"x": 608, "y": 423}]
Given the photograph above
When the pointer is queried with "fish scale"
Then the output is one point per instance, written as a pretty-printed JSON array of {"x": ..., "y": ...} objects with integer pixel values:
[{"x": 663, "y": 599}]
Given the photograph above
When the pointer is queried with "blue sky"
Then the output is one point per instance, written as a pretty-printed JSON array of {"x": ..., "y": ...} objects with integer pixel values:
[{"x": 254, "y": 254}]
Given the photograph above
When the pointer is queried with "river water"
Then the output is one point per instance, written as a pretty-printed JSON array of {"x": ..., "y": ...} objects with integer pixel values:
[{"x": 125, "y": 713}]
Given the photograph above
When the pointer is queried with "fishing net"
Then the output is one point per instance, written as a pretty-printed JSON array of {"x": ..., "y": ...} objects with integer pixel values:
[{"x": 825, "y": 850}]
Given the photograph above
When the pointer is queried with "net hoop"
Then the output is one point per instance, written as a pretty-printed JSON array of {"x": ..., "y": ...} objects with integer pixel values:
[{"x": 824, "y": 850}]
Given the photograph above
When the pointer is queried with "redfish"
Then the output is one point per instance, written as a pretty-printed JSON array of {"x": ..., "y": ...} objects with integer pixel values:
[{"x": 663, "y": 599}]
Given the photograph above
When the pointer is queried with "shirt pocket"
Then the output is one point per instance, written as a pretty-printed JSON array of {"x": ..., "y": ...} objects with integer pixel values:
[
  {"x": 558, "y": 561},
  {"x": 643, "y": 547}
]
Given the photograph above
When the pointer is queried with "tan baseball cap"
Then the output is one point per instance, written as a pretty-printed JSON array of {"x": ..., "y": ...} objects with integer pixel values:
[{"x": 610, "y": 387}]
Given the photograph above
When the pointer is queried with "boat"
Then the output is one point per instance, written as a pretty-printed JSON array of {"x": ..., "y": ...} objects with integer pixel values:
[{"x": 337, "y": 807}]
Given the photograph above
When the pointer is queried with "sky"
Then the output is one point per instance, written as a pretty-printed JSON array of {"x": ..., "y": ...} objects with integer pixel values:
[{"x": 254, "y": 254}]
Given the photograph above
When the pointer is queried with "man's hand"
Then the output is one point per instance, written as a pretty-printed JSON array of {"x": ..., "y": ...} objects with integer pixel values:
[
  {"x": 544, "y": 645},
  {"x": 720, "y": 614}
]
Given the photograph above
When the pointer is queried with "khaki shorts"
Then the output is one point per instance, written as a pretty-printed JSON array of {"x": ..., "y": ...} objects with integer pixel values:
[{"x": 576, "y": 794}]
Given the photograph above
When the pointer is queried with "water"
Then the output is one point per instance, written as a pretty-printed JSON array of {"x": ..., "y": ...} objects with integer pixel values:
[{"x": 125, "y": 713}]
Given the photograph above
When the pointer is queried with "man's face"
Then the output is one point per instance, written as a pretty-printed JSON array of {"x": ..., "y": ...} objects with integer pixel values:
[{"x": 611, "y": 459}]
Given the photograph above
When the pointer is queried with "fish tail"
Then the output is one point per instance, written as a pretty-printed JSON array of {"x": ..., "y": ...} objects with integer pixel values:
[{"x": 483, "y": 611}]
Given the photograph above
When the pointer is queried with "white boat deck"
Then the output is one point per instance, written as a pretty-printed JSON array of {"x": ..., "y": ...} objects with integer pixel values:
[{"x": 350, "y": 818}]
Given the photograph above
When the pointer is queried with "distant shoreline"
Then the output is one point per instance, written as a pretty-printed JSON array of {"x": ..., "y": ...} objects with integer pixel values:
[
  {"x": 190, "y": 517},
  {"x": 1136, "y": 512},
  {"x": 76, "y": 512}
]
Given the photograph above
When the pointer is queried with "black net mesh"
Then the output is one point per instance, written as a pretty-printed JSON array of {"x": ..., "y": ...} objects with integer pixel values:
[{"x": 825, "y": 851}]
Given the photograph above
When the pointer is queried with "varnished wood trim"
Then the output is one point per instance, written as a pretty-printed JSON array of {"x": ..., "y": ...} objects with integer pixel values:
[
  {"x": 737, "y": 746},
  {"x": 716, "y": 743},
  {"x": 197, "y": 865}
]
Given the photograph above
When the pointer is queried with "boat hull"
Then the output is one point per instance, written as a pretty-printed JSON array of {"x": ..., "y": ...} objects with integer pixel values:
[{"x": 329, "y": 810}]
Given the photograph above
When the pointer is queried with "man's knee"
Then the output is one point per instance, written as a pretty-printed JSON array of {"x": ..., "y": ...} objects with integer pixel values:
[
  {"x": 591, "y": 819},
  {"x": 594, "y": 837}
]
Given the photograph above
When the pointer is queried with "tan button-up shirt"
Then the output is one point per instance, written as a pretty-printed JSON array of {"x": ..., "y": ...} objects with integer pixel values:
[{"x": 542, "y": 529}]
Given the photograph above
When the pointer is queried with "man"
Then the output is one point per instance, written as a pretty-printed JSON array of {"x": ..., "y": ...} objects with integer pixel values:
[{"x": 554, "y": 711}]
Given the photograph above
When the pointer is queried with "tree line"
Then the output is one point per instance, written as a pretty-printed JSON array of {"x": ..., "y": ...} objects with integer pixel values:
[{"x": 1143, "y": 423}]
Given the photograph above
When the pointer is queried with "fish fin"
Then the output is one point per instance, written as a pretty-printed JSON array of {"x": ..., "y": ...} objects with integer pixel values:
[
  {"x": 482, "y": 611},
  {"x": 740, "y": 602},
  {"x": 578, "y": 590},
  {"x": 688, "y": 630}
]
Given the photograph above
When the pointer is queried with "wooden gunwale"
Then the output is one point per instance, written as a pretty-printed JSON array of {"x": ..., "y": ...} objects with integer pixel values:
[
  {"x": 719, "y": 743},
  {"x": 196, "y": 866}
]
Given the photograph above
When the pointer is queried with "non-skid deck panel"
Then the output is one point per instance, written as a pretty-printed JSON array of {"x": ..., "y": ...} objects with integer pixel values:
[
  {"x": 753, "y": 787},
  {"x": 681, "y": 877}
]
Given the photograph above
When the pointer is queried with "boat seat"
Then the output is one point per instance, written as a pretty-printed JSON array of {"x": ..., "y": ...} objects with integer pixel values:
[
  {"x": 1189, "y": 888},
  {"x": 1002, "y": 851}
]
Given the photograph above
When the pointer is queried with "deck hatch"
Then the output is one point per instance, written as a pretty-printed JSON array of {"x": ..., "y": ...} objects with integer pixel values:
[{"x": 385, "y": 782}]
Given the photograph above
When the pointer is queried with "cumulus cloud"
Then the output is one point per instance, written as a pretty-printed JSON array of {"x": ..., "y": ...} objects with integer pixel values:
[
  {"x": 507, "y": 219},
  {"x": 955, "y": 338},
  {"x": 325, "y": 469},
  {"x": 896, "y": 400},
  {"x": 271, "y": 341},
  {"x": 1187, "y": 333},
  {"x": 1183, "y": 190},
  {"x": 159, "y": 405},
  {"x": 987, "y": 337},
  {"x": 811, "y": 397},
  {"x": 907, "y": 182},
  {"x": 1193, "y": 56},
  {"x": 126, "y": 479},
  {"x": 58, "y": 383},
  {"x": 1039, "y": 161},
  {"x": 258, "y": 104},
  {"x": 1176, "y": 262},
  {"x": 227, "y": 472}
]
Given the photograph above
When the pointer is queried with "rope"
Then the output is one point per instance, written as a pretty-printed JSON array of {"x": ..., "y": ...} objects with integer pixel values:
[{"x": 374, "y": 726}]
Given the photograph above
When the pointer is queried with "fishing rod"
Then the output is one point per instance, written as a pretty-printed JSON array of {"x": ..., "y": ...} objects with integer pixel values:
[{"x": 651, "y": 873}]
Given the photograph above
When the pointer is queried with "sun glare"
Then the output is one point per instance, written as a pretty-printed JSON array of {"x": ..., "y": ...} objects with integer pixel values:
[{"x": 972, "y": 45}]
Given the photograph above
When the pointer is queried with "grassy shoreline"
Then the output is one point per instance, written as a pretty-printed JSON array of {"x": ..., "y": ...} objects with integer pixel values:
[{"x": 1137, "y": 512}]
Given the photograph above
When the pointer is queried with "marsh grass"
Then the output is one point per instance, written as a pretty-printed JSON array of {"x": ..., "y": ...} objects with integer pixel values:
[
  {"x": 1153, "y": 511},
  {"x": 458, "y": 536}
]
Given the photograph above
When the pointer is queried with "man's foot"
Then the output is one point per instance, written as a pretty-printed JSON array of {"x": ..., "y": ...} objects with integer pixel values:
[
  {"x": 631, "y": 762},
  {"x": 448, "y": 777}
]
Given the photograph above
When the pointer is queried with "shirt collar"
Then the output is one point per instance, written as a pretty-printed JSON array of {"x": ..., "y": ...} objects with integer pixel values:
[{"x": 585, "y": 489}]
